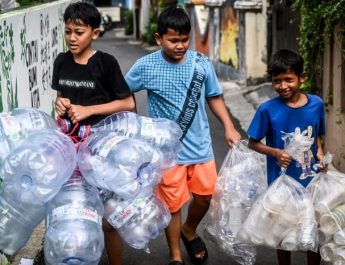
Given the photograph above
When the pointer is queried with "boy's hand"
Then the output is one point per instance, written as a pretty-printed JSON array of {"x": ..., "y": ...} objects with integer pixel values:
[
  {"x": 78, "y": 113},
  {"x": 321, "y": 158},
  {"x": 62, "y": 105},
  {"x": 232, "y": 136},
  {"x": 283, "y": 158}
]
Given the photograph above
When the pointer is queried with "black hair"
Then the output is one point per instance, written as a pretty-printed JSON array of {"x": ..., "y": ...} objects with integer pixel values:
[
  {"x": 83, "y": 13},
  {"x": 175, "y": 18},
  {"x": 285, "y": 60}
]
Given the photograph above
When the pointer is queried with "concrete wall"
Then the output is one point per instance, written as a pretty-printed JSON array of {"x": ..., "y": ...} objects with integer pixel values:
[
  {"x": 334, "y": 96},
  {"x": 30, "y": 40},
  {"x": 255, "y": 51}
]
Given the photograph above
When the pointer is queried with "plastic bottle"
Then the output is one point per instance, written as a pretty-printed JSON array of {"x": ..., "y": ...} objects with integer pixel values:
[
  {"x": 35, "y": 171},
  {"x": 139, "y": 220},
  {"x": 18, "y": 124},
  {"x": 17, "y": 222},
  {"x": 159, "y": 132},
  {"x": 118, "y": 163},
  {"x": 74, "y": 225}
]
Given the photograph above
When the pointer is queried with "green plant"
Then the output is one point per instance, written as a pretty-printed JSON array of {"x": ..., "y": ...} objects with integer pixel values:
[
  {"x": 129, "y": 22},
  {"x": 319, "y": 20}
]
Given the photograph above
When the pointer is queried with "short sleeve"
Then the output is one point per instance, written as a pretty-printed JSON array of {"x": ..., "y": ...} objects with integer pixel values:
[
  {"x": 134, "y": 78},
  {"x": 119, "y": 87},
  {"x": 259, "y": 125},
  {"x": 212, "y": 85},
  {"x": 56, "y": 67}
]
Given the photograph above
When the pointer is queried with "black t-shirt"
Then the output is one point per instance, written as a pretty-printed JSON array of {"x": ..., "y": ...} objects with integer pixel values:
[{"x": 100, "y": 81}]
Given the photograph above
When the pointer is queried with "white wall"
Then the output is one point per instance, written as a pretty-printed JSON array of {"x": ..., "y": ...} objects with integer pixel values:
[
  {"x": 30, "y": 40},
  {"x": 256, "y": 43}
]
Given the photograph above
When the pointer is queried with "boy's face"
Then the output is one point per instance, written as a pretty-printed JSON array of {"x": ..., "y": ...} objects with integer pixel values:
[
  {"x": 79, "y": 37},
  {"x": 287, "y": 84},
  {"x": 174, "y": 45}
]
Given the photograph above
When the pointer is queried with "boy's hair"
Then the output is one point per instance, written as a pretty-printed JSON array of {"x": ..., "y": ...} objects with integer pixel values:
[
  {"x": 175, "y": 18},
  {"x": 82, "y": 13},
  {"x": 285, "y": 60}
]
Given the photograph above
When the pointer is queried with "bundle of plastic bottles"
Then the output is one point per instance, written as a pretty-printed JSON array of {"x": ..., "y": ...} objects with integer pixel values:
[
  {"x": 241, "y": 180},
  {"x": 36, "y": 160},
  {"x": 328, "y": 195}
]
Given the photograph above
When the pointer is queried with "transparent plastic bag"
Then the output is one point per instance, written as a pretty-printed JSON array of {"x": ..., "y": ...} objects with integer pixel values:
[
  {"x": 327, "y": 192},
  {"x": 241, "y": 179},
  {"x": 282, "y": 218}
]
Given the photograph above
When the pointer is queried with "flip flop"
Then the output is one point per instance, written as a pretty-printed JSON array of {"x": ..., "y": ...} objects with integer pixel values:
[{"x": 194, "y": 247}]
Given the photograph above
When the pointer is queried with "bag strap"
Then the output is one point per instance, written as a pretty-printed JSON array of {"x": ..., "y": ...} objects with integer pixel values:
[{"x": 190, "y": 105}]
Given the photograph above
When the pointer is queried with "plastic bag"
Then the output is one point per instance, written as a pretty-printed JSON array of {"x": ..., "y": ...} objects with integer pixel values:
[
  {"x": 242, "y": 178},
  {"x": 283, "y": 218},
  {"x": 327, "y": 192}
]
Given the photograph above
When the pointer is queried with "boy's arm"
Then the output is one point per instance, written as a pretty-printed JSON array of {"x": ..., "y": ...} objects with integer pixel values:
[
  {"x": 319, "y": 153},
  {"x": 78, "y": 112},
  {"x": 220, "y": 111},
  {"x": 283, "y": 158}
]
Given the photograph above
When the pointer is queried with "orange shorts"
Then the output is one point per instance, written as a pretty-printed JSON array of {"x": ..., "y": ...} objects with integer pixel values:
[{"x": 177, "y": 183}]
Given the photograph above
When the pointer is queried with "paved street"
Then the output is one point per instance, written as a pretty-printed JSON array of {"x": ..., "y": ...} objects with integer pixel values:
[{"x": 127, "y": 52}]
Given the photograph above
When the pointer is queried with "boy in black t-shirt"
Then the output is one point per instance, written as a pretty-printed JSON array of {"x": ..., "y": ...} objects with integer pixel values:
[{"x": 89, "y": 86}]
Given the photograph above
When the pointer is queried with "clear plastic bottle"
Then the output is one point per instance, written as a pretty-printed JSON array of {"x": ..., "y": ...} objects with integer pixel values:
[
  {"x": 118, "y": 163},
  {"x": 17, "y": 222},
  {"x": 18, "y": 124},
  {"x": 74, "y": 224},
  {"x": 159, "y": 132},
  {"x": 35, "y": 171},
  {"x": 139, "y": 220}
]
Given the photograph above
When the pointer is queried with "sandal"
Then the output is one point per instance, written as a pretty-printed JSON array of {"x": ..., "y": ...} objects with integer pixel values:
[
  {"x": 176, "y": 262},
  {"x": 194, "y": 247}
]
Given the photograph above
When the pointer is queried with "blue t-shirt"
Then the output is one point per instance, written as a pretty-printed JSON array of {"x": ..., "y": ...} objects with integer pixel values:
[
  {"x": 274, "y": 117},
  {"x": 167, "y": 86}
]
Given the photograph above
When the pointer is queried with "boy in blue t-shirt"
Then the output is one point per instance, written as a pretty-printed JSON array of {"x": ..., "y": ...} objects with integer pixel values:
[
  {"x": 179, "y": 82},
  {"x": 291, "y": 111}
]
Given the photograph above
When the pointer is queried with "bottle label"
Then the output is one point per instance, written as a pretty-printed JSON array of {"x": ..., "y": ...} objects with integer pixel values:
[
  {"x": 108, "y": 144},
  {"x": 118, "y": 219},
  {"x": 67, "y": 212},
  {"x": 148, "y": 128},
  {"x": 11, "y": 128}
]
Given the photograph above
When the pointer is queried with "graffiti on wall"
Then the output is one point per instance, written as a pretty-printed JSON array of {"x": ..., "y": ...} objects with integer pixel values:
[
  {"x": 30, "y": 40},
  {"x": 229, "y": 30}
]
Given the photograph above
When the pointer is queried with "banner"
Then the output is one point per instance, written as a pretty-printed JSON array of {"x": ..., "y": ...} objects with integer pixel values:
[{"x": 30, "y": 40}]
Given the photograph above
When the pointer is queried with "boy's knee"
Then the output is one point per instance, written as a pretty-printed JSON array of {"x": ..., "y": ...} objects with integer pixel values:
[{"x": 204, "y": 200}]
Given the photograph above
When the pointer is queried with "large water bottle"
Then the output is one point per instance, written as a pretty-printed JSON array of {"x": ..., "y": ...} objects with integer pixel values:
[
  {"x": 18, "y": 124},
  {"x": 74, "y": 225},
  {"x": 159, "y": 132},
  {"x": 17, "y": 222},
  {"x": 35, "y": 171},
  {"x": 119, "y": 163},
  {"x": 138, "y": 220}
]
